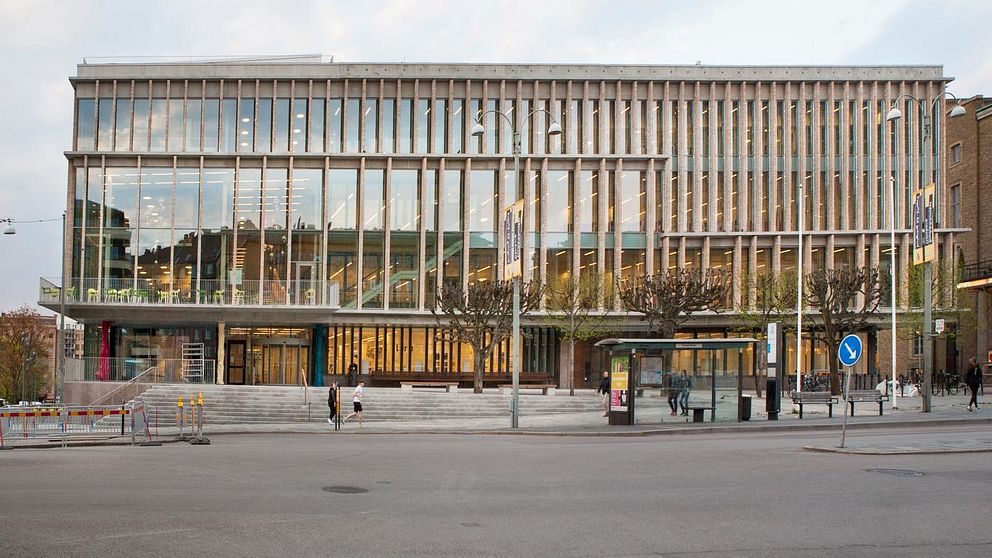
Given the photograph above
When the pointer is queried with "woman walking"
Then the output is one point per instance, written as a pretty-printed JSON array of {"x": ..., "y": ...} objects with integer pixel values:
[{"x": 973, "y": 379}]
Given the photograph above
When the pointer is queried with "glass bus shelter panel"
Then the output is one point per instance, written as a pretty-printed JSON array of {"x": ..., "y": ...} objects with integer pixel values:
[{"x": 689, "y": 377}]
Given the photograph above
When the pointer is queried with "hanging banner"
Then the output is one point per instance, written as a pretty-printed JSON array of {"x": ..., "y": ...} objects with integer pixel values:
[
  {"x": 924, "y": 213},
  {"x": 513, "y": 218}
]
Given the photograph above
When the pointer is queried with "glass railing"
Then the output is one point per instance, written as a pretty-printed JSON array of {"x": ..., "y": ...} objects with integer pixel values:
[
  {"x": 159, "y": 370},
  {"x": 210, "y": 292}
]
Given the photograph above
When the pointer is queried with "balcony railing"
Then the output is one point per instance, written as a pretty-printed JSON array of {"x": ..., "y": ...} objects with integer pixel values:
[
  {"x": 210, "y": 292},
  {"x": 977, "y": 270},
  {"x": 163, "y": 370}
]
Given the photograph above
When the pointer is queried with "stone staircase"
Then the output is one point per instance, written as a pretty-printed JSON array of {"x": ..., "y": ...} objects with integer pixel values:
[{"x": 286, "y": 404}]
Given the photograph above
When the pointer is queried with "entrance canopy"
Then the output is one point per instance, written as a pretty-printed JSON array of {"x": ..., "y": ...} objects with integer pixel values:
[{"x": 701, "y": 374}]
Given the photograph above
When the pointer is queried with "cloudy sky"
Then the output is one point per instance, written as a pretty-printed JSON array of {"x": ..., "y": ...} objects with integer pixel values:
[{"x": 42, "y": 41}]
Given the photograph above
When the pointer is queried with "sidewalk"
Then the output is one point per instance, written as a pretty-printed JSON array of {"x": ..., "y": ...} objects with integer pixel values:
[{"x": 652, "y": 415}]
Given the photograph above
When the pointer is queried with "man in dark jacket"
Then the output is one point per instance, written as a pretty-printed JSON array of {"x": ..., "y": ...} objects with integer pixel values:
[
  {"x": 973, "y": 379},
  {"x": 604, "y": 388}
]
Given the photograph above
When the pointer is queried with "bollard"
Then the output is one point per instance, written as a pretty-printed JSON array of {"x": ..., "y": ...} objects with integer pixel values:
[
  {"x": 199, "y": 440},
  {"x": 180, "y": 416}
]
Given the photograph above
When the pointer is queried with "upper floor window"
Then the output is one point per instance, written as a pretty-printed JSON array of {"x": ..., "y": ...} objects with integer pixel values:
[
  {"x": 956, "y": 153},
  {"x": 956, "y": 205}
]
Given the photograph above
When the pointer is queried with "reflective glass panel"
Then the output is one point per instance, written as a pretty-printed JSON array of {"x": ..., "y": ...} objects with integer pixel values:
[
  {"x": 440, "y": 113},
  {"x": 305, "y": 197},
  {"x": 158, "y": 125},
  {"x": 140, "y": 139},
  {"x": 105, "y": 130},
  {"x": 372, "y": 207},
  {"x": 282, "y": 125},
  {"x": 156, "y": 198},
  {"x": 187, "y": 198},
  {"x": 316, "y": 144},
  {"x": 370, "y": 116},
  {"x": 388, "y": 143},
  {"x": 217, "y": 198},
  {"x": 246, "y": 127},
  {"x": 193, "y": 109},
  {"x": 229, "y": 126},
  {"x": 405, "y": 120},
  {"x": 122, "y": 141},
  {"x": 423, "y": 120},
  {"x": 211, "y": 124},
  {"x": 452, "y": 200},
  {"x": 263, "y": 126},
  {"x": 335, "y": 123},
  {"x": 298, "y": 126},
  {"x": 84, "y": 124},
  {"x": 482, "y": 203},
  {"x": 353, "y": 121},
  {"x": 342, "y": 204},
  {"x": 559, "y": 212},
  {"x": 404, "y": 214},
  {"x": 175, "y": 125}
]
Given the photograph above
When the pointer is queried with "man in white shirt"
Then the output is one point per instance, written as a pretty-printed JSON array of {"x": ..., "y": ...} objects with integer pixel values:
[{"x": 357, "y": 400}]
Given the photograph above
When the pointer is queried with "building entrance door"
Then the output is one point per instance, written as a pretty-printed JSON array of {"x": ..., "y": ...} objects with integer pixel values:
[
  {"x": 280, "y": 361},
  {"x": 235, "y": 362}
]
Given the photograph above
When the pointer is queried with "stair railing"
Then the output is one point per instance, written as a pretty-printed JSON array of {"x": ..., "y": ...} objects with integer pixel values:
[
  {"x": 130, "y": 383},
  {"x": 306, "y": 391}
]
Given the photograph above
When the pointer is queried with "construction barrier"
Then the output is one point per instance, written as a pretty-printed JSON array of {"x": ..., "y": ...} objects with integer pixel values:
[{"x": 68, "y": 423}]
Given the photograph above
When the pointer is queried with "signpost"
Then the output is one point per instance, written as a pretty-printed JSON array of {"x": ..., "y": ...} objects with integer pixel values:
[
  {"x": 849, "y": 353},
  {"x": 938, "y": 326},
  {"x": 513, "y": 217}
]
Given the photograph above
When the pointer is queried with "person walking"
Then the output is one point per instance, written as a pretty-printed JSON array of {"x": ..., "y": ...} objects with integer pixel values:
[
  {"x": 357, "y": 401},
  {"x": 973, "y": 379},
  {"x": 685, "y": 382},
  {"x": 332, "y": 402},
  {"x": 604, "y": 388}
]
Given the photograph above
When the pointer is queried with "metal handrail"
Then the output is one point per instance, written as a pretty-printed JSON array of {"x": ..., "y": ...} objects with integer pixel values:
[
  {"x": 121, "y": 387},
  {"x": 306, "y": 391}
]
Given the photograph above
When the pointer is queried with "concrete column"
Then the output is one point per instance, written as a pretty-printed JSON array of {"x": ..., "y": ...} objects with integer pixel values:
[{"x": 221, "y": 352}]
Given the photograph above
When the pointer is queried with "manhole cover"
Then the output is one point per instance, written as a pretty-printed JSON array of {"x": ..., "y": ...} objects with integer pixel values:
[
  {"x": 345, "y": 489},
  {"x": 471, "y": 525},
  {"x": 896, "y": 472}
]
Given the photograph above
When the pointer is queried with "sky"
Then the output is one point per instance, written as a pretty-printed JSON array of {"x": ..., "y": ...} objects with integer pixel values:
[{"x": 42, "y": 41}]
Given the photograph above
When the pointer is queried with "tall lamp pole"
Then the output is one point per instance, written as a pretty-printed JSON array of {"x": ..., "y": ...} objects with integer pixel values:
[
  {"x": 799, "y": 290},
  {"x": 895, "y": 114},
  {"x": 60, "y": 346},
  {"x": 892, "y": 284},
  {"x": 478, "y": 130}
]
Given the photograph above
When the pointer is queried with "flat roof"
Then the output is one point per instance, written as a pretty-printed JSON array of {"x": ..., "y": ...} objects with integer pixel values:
[
  {"x": 311, "y": 67},
  {"x": 625, "y": 344}
]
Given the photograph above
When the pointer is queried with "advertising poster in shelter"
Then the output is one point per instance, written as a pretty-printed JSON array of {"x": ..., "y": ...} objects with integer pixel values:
[{"x": 619, "y": 381}]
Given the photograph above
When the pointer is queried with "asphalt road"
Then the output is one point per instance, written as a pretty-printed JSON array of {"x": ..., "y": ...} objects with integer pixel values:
[{"x": 701, "y": 495}]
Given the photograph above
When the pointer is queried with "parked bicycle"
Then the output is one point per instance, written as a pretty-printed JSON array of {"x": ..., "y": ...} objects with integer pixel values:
[{"x": 946, "y": 382}]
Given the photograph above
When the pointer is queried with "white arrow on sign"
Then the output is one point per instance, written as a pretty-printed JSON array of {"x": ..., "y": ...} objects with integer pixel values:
[{"x": 850, "y": 351}]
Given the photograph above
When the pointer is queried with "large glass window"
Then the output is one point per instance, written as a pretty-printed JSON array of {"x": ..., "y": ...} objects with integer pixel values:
[
  {"x": 159, "y": 120},
  {"x": 120, "y": 220},
  {"x": 440, "y": 114},
  {"x": 457, "y": 126},
  {"x": 632, "y": 201},
  {"x": 305, "y": 199},
  {"x": 482, "y": 203},
  {"x": 193, "y": 108},
  {"x": 156, "y": 198},
  {"x": 275, "y": 218},
  {"x": 263, "y": 127},
  {"x": 141, "y": 116},
  {"x": 588, "y": 202},
  {"x": 423, "y": 123},
  {"x": 316, "y": 142},
  {"x": 217, "y": 198},
  {"x": 372, "y": 259},
  {"x": 372, "y": 204},
  {"x": 342, "y": 269},
  {"x": 354, "y": 119},
  {"x": 123, "y": 135},
  {"x": 86, "y": 115},
  {"x": 282, "y": 125},
  {"x": 405, "y": 125},
  {"x": 304, "y": 207},
  {"x": 342, "y": 194},
  {"x": 229, "y": 126},
  {"x": 246, "y": 125},
  {"x": 560, "y": 212},
  {"x": 105, "y": 129},
  {"x": 298, "y": 126},
  {"x": 370, "y": 116},
  {"x": 211, "y": 124},
  {"x": 334, "y": 126},
  {"x": 452, "y": 200},
  {"x": 404, "y": 203},
  {"x": 175, "y": 125},
  {"x": 404, "y": 250},
  {"x": 388, "y": 143}
]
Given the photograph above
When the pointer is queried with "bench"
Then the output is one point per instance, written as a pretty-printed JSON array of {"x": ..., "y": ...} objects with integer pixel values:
[
  {"x": 546, "y": 389},
  {"x": 448, "y": 386},
  {"x": 866, "y": 395},
  {"x": 816, "y": 398},
  {"x": 697, "y": 411}
]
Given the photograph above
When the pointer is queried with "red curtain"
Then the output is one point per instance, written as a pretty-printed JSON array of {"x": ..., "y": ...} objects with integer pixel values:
[{"x": 103, "y": 372}]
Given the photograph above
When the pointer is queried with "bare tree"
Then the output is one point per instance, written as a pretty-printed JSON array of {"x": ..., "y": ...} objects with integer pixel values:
[
  {"x": 774, "y": 301},
  {"x": 843, "y": 300},
  {"x": 481, "y": 316},
  {"x": 15, "y": 327},
  {"x": 572, "y": 310},
  {"x": 666, "y": 301}
]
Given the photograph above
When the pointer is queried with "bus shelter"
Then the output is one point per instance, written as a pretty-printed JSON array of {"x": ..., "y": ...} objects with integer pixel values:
[{"x": 696, "y": 376}]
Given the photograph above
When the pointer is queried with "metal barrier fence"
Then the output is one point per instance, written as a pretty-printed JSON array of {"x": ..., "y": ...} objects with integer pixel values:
[{"x": 73, "y": 423}]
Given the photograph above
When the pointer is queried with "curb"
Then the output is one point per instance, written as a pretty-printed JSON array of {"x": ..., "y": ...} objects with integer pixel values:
[{"x": 852, "y": 451}]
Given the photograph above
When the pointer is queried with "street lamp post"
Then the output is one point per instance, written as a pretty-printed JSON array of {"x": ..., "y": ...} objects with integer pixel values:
[
  {"x": 892, "y": 284},
  {"x": 895, "y": 114},
  {"x": 478, "y": 130},
  {"x": 799, "y": 289},
  {"x": 60, "y": 345}
]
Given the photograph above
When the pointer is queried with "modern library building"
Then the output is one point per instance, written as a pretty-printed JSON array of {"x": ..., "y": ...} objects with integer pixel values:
[{"x": 292, "y": 217}]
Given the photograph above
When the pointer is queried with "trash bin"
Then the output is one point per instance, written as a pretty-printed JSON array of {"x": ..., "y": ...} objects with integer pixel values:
[{"x": 745, "y": 407}]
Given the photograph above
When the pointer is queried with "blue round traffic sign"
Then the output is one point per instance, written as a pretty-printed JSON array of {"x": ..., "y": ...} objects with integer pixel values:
[{"x": 850, "y": 350}]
